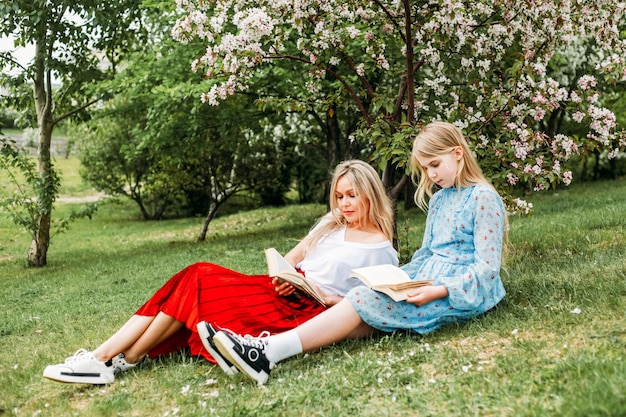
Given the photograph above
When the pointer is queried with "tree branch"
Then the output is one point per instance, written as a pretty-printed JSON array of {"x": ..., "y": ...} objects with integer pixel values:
[
  {"x": 6, "y": 56},
  {"x": 410, "y": 82},
  {"x": 76, "y": 110},
  {"x": 397, "y": 189},
  {"x": 339, "y": 78},
  {"x": 392, "y": 18}
]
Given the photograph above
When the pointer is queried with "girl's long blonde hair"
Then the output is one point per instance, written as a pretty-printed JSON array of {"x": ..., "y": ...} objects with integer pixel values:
[
  {"x": 437, "y": 139},
  {"x": 367, "y": 184}
]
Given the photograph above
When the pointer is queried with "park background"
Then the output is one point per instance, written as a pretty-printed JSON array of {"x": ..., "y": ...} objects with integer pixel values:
[{"x": 141, "y": 166}]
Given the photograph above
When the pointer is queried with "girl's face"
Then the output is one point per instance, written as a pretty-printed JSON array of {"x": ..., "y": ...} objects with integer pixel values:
[
  {"x": 442, "y": 169},
  {"x": 353, "y": 207}
]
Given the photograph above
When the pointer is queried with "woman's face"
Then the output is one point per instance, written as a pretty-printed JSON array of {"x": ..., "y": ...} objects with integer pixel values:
[
  {"x": 442, "y": 169},
  {"x": 353, "y": 207}
]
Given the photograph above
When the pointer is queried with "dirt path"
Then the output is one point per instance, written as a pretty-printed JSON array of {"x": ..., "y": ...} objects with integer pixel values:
[{"x": 85, "y": 199}]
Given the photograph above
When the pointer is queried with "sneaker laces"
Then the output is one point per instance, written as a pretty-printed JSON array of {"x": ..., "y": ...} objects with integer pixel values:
[
  {"x": 79, "y": 356},
  {"x": 258, "y": 342}
]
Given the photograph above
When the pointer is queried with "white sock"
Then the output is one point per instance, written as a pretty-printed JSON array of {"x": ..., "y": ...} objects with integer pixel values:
[{"x": 283, "y": 346}]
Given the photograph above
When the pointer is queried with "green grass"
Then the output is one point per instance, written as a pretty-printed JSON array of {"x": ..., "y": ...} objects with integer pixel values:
[
  {"x": 72, "y": 184},
  {"x": 555, "y": 346}
]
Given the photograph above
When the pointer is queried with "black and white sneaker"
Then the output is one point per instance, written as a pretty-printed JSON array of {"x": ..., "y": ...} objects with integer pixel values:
[
  {"x": 207, "y": 332},
  {"x": 119, "y": 364},
  {"x": 81, "y": 368},
  {"x": 247, "y": 353}
]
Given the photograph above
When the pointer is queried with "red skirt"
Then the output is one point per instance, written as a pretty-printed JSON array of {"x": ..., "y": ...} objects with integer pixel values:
[{"x": 245, "y": 304}]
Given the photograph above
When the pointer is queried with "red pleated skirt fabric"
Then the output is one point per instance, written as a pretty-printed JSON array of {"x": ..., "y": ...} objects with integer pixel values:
[{"x": 245, "y": 304}]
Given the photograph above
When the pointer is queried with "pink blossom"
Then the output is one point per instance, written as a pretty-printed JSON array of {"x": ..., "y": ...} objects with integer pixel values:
[
  {"x": 575, "y": 97},
  {"x": 578, "y": 116},
  {"x": 512, "y": 179},
  {"x": 567, "y": 177},
  {"x": 539, "y": 99},
  {"x": 586, "y": 82},
  {"x": 522, "y": 205},
  {"x": 353, "y": 32},
  {"x": 539, "y": 114}
]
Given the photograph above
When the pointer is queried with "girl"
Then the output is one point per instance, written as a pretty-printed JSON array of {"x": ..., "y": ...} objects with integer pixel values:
[
  {"x": 461, "y": 252},
  {"x": 356, "y": 232}
]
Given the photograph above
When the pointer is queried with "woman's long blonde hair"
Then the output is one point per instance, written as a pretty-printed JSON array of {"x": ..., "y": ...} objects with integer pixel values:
[
  {"x": 437, "y": 139},
  {"x": 367, "y": 184}
]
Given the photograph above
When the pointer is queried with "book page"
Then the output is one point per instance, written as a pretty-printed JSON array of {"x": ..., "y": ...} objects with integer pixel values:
[
  {"x": 276, "y": 263},
  {"x": 388, "y": 279},
  {"x": 381, "y": 275}
]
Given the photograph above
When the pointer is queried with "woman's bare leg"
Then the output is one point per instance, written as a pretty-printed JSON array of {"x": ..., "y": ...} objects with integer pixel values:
[
  {"x": 137, "y": 336},
  {"x": 162, "y": 327},
  {"x": 333, "y": 325}
]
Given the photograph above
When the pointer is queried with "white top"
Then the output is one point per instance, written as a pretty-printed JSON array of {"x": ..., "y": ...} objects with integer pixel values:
[{"x": 330, "y": 263}]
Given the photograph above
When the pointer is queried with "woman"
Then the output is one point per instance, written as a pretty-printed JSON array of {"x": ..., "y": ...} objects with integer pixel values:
[{"x": 356, "y": 232}]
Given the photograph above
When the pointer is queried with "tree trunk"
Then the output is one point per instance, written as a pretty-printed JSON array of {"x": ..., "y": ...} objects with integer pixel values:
[
  {"x": 46, "y": 194},
  {"x": 333, "y": 133},
  {"x": 47, "y": 188},
  {"x": 213, "y": 207}
]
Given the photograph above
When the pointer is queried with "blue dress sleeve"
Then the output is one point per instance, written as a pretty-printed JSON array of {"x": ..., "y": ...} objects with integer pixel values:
[{"x": 480, "y": 283}]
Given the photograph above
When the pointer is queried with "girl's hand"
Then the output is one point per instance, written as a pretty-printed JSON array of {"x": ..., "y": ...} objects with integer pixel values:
[
  {"x": 329, "y": 299},
  {"x": 426, "y": 294},
  {"x": 283, "y": 288}
]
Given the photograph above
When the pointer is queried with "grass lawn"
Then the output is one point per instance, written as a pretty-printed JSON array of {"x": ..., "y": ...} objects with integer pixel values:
[{"x": 555, "y": 346}]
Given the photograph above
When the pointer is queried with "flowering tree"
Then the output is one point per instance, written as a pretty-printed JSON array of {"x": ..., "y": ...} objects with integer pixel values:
[{"x": 480, "y": 64}]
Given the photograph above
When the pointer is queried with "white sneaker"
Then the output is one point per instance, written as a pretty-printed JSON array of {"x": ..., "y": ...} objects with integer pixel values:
[{"x": 82, "y": 368}]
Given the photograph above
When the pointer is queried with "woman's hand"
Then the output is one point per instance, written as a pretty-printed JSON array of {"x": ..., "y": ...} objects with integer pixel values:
[
  {"x": 283, "y": 288},
  {"x": 426, "y": 294}
]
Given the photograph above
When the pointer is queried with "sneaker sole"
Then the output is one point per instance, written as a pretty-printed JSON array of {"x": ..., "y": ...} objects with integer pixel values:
[
  {"x": 204, "y": 337},
  {"x": 224, "y": 344},
  {"x": 72, "y": 378}
]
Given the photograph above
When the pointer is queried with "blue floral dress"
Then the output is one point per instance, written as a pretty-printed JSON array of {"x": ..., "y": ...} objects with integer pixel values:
[{"x": 462, "y": 250}]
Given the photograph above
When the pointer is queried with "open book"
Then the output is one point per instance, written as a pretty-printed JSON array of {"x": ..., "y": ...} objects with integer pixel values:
[
  {"x": 388, "y": 279},
  {"x": 277, "y": 266}
]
